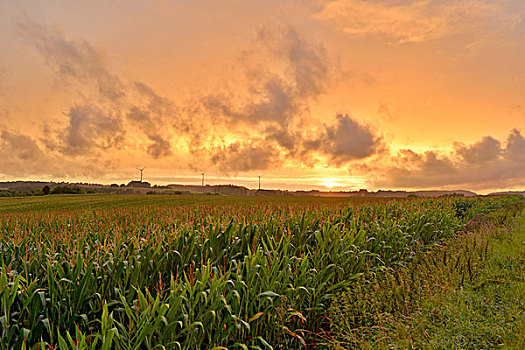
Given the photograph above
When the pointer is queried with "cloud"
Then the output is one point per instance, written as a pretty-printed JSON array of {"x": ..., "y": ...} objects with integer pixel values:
[
  {"x": 385, "y": 112},
  {"x": 347, "y": 140},
  {"x": 3, "y": 78},
  {"x": 72, "y": 60},
  {"x": 291, "y": 141},
  {"x": 100, "y": 122},
  {"x": 279, "y": 101},
  {"x": 91, "y": 129},
  {"x": 487, "y": 163},
  {"x": 22, "y": 157},
  {"x": 249, "y": 156},
  {"x": 406, "y": 21},
  {"x": 283, "y": 72},
  {"x": 160, "y": 147},
  {"x": 307, "y": 62},
  {"x": 483, "y": 151},
  {"x": 150, "y": 125},
  {"x": 20, "y": 146},
  {"x": 515, "y": 150},
  {"x": 20, "y": 154},
  {"x": 270, "y": 120},
  {"x": 344, "y": 141}
]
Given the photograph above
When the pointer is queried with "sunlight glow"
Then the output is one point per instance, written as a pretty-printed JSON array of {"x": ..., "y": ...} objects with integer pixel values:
[{"x": 330, "y": 183}]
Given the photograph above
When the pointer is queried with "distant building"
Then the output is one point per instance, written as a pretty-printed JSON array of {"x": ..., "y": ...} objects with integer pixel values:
[
  {"x": 362, "y": 192},
  {"x": 139, "y": 184}
]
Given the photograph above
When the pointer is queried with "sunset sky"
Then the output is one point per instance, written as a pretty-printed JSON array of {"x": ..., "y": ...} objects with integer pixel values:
[{"x": 341, "y": 94}]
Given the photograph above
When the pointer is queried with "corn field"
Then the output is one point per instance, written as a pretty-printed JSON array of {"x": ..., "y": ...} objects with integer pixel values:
[{"x": 246, "y": 275}]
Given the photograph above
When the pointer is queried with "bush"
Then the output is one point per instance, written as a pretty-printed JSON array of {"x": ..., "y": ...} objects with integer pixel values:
[
  {"x": 6, "y": 193},
  {"x": 67, "y": 190}
]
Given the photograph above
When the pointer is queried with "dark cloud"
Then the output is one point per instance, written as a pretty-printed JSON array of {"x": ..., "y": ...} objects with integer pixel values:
[
  {"x": 300, "y": 72},
  {"x": 272, "y": 100},
  {"x": 90, "y": 128},
  {"x": 306, "y": 63},
  {"x": 484, "y": 164},
  {"x": 160, "y": 119},
  {"x": 483, "y": 151},
  {"x": 275, "y": 104},
  {"x": 22, "y": 156},
  {"x": 283, "y": 71},
  {"x": 73, "y": 60},
  {"x": 95, "y": 124},
  {"x": 159, "y": 146},
  {"x": 151, "y": 125},
  {"x": 253, "y": 155},
  {"x": 279, "y": 100},
  {"x": 347, "y": 140},
  {"x": 20, "y": 146},
  {"x": 100, "y": 122},
  {"x": 415, "y": 169},
  {"x": 291, "y": 141},
  {"x": 515, "y": 150}
]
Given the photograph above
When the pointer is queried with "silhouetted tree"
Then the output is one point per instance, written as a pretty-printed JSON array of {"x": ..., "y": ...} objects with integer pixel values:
[{"x": 46, "y": 189}]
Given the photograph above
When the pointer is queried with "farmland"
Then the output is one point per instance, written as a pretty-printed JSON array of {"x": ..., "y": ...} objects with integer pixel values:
[
  {"x": 214, "y": 272},
  {"x": 97, "y": 201}
]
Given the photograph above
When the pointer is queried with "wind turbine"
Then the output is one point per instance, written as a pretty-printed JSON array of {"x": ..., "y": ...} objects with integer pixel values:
[
  {"x": 202, "y": 183},
  {"x": 259, "y": 176},
  {"x": 141, "y": 171}
]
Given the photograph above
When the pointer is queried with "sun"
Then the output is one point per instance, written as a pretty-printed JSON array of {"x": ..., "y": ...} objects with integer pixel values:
[{"x": 330, "y": 183}]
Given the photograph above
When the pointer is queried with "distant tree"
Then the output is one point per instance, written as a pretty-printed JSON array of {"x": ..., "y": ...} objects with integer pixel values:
[
  {"x": 68, "y": 190},
  {"x": 139, "y": 184},
  {"x": 46, "y": 189},
  {"x": 7, "y": 193}
]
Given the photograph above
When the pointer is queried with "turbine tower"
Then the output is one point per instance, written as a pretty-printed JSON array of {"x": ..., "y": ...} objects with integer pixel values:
[
  {"x": 202, "y": 183},
  {"x": 259, "y": 182},
  {"x": 141, "y": 171}
]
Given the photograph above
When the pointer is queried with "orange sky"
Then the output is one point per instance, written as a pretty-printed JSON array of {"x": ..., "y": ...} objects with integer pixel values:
[{"x": 341, "y": 94}]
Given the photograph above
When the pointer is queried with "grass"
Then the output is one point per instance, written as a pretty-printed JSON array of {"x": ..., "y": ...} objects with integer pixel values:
[{"x": 468, "y": 294}]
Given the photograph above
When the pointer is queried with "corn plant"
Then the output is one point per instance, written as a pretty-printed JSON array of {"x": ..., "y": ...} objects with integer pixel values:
[{"x": 257, "y": 275}]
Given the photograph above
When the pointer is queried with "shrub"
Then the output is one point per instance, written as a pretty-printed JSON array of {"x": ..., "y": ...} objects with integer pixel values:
[{"x": 67, "y": 190}]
